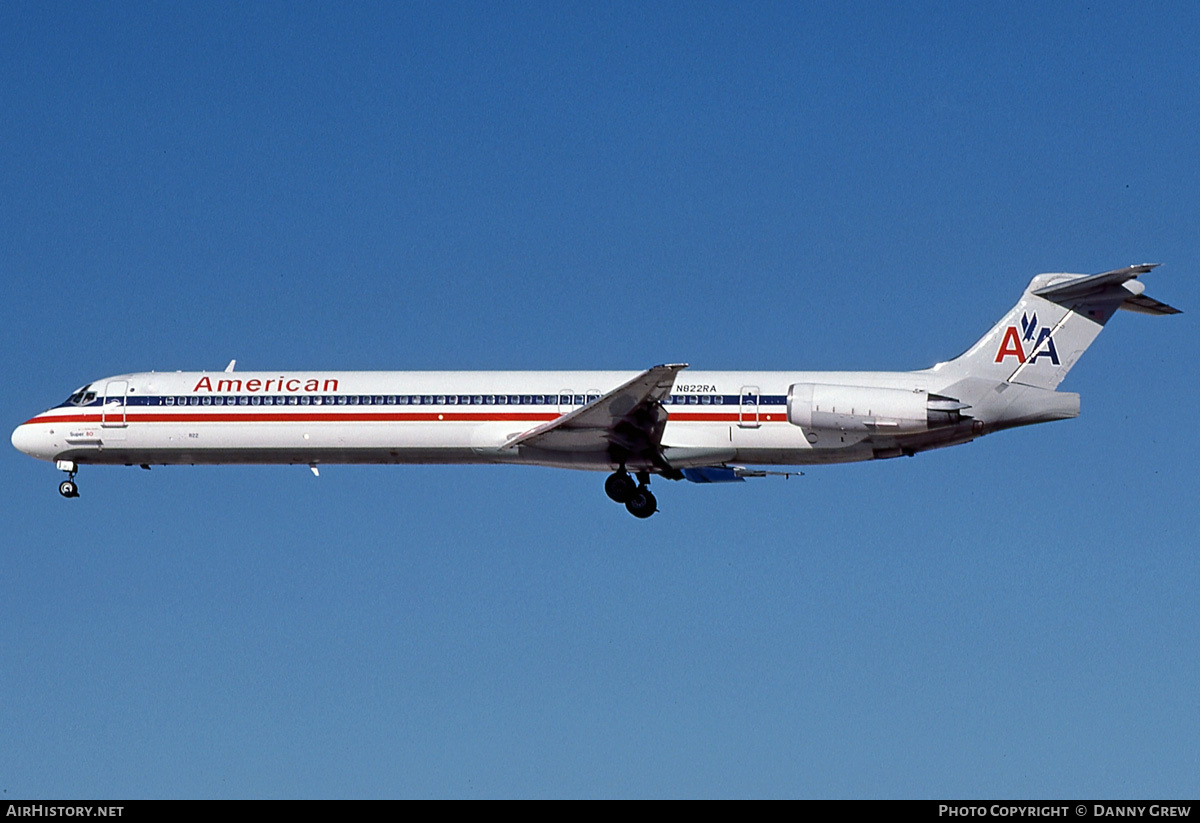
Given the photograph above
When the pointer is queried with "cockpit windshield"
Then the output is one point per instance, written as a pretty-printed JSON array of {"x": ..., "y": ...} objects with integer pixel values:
[{"x": 81, "y": 397}]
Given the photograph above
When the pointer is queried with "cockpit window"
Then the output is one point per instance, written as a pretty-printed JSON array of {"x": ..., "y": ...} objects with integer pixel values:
[{"x": 81, "y": 397}]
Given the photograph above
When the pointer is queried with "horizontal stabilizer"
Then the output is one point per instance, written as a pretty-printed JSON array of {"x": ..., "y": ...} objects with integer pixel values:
[
  {"x": 1148, "y": 305},
  {"x": 1074, "y": 290},
  {"x": 1103, "y": 285}
]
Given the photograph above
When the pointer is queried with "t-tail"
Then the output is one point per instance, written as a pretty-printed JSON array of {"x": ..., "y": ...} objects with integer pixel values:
[
  {"x": 1033, "y": 347},
  {"x": 1053, "y": 323}
]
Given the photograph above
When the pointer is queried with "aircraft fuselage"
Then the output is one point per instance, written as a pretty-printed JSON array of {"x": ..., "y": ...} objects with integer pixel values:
[
  {"x": 428, "y": 417},
  {"x": 666, "y": 420}
]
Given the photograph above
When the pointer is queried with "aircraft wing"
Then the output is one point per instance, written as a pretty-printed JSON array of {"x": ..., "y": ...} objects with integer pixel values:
[{"x": 629, "y": 419}]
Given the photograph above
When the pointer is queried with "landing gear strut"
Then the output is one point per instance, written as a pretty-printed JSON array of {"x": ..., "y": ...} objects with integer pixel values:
[
  {"x": 68, "y": 488},
  {"x": 636, "y": 496}
]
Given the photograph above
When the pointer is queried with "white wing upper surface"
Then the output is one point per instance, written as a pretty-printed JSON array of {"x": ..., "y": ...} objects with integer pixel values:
[{"x": 630, "y": 418}]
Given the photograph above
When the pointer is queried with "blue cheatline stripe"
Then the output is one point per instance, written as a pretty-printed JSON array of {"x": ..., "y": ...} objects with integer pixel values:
[{"x": 688, "y": 400}]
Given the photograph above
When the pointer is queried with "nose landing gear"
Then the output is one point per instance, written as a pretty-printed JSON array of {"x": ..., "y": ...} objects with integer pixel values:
[
  {"x": 636, "y": 496},
  {"x": 68, "y": 488}
]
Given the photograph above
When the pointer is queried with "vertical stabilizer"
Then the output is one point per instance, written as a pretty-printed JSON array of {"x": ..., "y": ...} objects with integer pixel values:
[{"x": 1056, "y": 319}]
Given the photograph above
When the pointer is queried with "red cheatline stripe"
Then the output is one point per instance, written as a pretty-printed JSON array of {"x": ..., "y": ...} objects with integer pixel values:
[{"x": 360, "y": 417}]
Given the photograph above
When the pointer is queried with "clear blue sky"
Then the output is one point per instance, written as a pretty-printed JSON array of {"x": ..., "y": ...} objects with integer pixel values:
[{"x": 543, "y": 186}]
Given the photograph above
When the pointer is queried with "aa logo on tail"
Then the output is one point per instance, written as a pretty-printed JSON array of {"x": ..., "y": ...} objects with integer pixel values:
[{"x": 1043, "y": 346}]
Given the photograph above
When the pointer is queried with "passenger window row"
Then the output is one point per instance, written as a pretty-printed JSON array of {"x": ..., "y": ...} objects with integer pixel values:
[
  {"x": 382, "y": 400},
  {"x": 440, "y": 400}
]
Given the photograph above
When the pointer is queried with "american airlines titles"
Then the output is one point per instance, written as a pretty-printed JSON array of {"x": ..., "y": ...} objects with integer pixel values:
[{"x": 283, "y": 384}]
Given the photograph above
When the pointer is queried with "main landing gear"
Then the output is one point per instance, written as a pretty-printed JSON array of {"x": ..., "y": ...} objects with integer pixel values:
[
  {"x": 68, "y": 488},
  {"x": 636, "y": 496}
]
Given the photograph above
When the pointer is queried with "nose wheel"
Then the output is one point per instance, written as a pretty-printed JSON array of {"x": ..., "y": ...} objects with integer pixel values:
[{"x": 68, "y": 488}]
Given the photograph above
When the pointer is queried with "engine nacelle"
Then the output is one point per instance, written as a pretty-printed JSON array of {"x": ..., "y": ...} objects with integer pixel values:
[{"x": 822, "y": 407}]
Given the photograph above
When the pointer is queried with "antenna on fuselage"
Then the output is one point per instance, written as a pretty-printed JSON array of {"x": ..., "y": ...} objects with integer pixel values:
[{"x": 232, "y": 363}]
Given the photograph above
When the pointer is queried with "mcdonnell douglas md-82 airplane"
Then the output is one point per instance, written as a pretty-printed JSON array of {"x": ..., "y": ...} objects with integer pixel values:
[{"x": 707, "y": 427}]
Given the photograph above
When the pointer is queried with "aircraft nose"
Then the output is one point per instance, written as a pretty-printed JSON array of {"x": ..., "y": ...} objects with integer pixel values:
[{"x": 28, "y": 439}]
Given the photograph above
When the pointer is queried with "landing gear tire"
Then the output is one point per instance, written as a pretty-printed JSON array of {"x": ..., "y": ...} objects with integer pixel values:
[
  {"x": 620, "y": 487},
  {"x": 642, "y": 503},
  {"x": 67, "y": 488}
]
